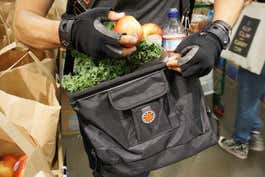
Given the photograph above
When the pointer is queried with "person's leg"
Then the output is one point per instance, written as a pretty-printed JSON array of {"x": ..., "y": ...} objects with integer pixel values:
[
  {"x": 257, "y": 142},
  {"x": 257, "y": 123},
  {"x": 250, "y": 88}
]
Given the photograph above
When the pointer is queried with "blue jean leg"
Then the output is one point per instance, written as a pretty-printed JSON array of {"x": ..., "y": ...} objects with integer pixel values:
[{"x": 249, "y": 89}]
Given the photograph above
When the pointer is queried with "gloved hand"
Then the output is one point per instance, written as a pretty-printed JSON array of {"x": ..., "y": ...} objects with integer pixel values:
[
  {"x": 211, "y": 40},
  {"x": 203, "y": 61},
  {"x": 87, "y": 34}
]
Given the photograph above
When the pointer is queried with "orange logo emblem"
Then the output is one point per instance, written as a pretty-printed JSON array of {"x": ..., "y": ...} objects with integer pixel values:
[{"x": 148, "y": 115}]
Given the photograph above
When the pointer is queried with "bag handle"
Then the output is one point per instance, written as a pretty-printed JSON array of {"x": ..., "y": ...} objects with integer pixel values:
[
  {"x": 12, "y": 66},
  {"x": 7, "y": 48},
  {"x": 32, "y": 55}
]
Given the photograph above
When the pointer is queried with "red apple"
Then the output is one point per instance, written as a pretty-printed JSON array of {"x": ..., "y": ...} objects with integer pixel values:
[
  {"x": 129, "y": 25},
  {"x": 151, "y": 29},
  {"x": 19, "y": 166},
  {"x": 9, "y": 159},
  {"x": 5, "y": 169}
]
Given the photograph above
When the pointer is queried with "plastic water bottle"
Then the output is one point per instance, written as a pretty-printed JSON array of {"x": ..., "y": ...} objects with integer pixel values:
[
  {"x": 173, "y": 31},
  {"x": 210, "y": 15}
]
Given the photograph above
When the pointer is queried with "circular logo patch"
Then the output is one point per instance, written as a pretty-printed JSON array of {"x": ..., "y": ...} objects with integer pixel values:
[{"x": 148, "y": 116}]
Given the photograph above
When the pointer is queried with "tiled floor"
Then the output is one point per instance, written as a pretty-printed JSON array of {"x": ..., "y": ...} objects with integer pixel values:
[{"x": 213, "y": 162}]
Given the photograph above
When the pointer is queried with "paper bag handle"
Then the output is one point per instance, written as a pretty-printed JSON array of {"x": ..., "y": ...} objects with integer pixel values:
[
  {"x": 9, "y": 47},
  {"x": 32, "y": 55},
  {"x": 12, "y": 66}
]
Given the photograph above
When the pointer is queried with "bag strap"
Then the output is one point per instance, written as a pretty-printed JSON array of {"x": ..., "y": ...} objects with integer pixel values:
[
  {"x": 217, "y": 121},
  {"x": 98, "y": 163},
  {"x": 71, "y": 9}
]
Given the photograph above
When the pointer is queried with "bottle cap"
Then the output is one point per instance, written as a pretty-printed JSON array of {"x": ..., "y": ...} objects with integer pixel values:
[{"x": 173, "y": 13}]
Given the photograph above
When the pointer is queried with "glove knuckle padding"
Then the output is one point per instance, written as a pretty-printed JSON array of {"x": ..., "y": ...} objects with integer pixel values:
[
  {"x": 192, "y": 62},
  {"x": 90, "y": 36},
  {"x": 95, "y": 13},
  {"x": 116, "y": 52},
  {"x": 108, "y": 36},
  {"x": 203, "y": 61}
]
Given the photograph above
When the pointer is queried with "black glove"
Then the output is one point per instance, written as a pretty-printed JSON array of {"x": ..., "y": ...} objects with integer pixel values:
[
  {"x": 211, "y": 40},
  {"x": 87, "y": 34}
]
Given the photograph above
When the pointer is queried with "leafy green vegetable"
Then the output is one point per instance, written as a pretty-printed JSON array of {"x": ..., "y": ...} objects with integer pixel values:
[
  {"x": 145, "y": 53},
  {"x": 110, "y": 25},
  {"x": 89, "y": 72}
]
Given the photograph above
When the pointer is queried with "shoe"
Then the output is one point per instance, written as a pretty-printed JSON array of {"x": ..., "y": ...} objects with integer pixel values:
[
  {"x": 256, "y": 142},
  {"x": 238, "y": 150}
]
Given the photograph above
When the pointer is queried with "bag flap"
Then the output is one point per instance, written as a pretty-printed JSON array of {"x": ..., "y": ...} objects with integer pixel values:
[{"x": 138, "y": 91}]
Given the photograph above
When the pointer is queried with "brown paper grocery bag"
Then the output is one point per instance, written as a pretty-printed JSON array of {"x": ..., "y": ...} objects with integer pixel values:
[
  {"x": 36, "y": 160},
  {"x": 57, "y": 10},
  {"x": 28, "y": 100},
  {"x": 7, "y": 146},
  {"x": 12, "y": 52},
  {"x": 6, "y": 18}
]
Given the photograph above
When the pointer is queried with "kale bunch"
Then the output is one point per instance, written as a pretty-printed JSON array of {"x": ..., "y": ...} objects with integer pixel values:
[
  {"x": 89, "y": 72},
  {"x": 145, "y": 53}
]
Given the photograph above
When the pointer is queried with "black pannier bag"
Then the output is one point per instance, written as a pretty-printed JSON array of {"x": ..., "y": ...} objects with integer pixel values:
[{"x": 143, "y": 121}]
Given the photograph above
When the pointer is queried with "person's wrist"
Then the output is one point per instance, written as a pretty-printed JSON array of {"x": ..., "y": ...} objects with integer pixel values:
[
  {"x": 65, "y": 30},
  {"x": 221, "y": 30},
  {"x": 55, "y": 31},
  {"x": 225, "y": 26}
]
